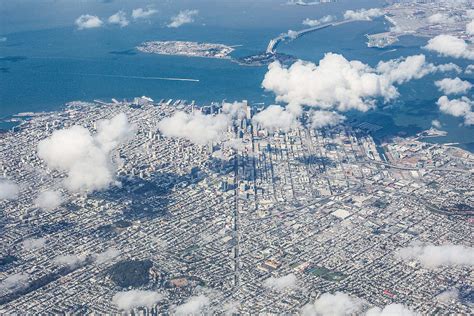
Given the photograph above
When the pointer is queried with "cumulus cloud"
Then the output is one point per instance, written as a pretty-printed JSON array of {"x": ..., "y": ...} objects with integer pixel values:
[
  {"x": 292, "y": 34},
  {"x": 196, "y": 127},
  {"x": 193, "y": 306},
  {"x": 234, "y": 143},
  {"x": 30, "y": 244},
  {"x": 316, "y": 22},
  {"x": 391, "y": 310},
  {"x": 458, "y": 107},
  {"x": 448, "y": 67},
  {"x": 48, "y": 200},
  {"x": 183, "y": 17},
  {"x": 9, "y": 190},
  {"x": 453, "y": 86},
  {"x": 136, "y": 298},
  {"x": 448, "y": 296},
  {"x": 320, "y": 119},
  {"x": 282, "y": 283},
  {"x": 363, "y": 14},
  {"x": 337, "y": 83},
  {"x": 341, "y": 304},
  {"x": 436, "y": 124},
  {"x": 434, "y": 256},
  {"x": 74, "y": 150},
  {"x": 231, "y": 308},
  {"x": 119, "y": 18},
  {"x": 337, "y": 304},
  {"x": 69, "y": 260},
  {"x": 234, "y": 110},
  {"x": 275, "y": 118},
  {"x": 470, "y": 13},
  {"x": 14, "y": 281},
  {"x": 451, "y": 46},
  {"x": 107, "y": 255},
  {"x": 113, "y": 132},
  {"x": 141, "y": 13},
  {"x": 469, "y": 69},
  {"x": 413, "y": 67},
  {"x": 441, "y": 18},
  {"x": 87, "y": 21},
  {"x": 83, "y": 156},
  {"x": 202, "y": 129},
  {"x": 470, "y": 28}
]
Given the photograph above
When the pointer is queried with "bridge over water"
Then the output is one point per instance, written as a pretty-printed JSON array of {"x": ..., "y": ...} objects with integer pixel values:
[{"x": 272, "y": 45}]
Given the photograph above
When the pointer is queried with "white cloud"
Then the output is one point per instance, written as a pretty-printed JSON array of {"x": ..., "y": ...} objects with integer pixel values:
[
  {"x": 48, "y": 200},
  {"x": 470, "y": 28},
  {"x": 14, "y": 281},
  {"x": 448, "y": 296},
  {"x": 303, "y": 83},
  {"x": 75, "y": 151},
  {"x": 275, "y": 118},
  {"x": 282, "y": 283},
  {"x": 453, "y": 86},
  {"x": 337, "y": 304},
  {"x": 9, "y": 190},
  {"x": 111, "y": 133},
  {"x": 451, "y": 46},
  {"x": 196, "y": 127},
  {"x": 86, "y": 157},
  {"x": 455, "y": 4},
  {"x": 107, "y": 255},
  {"x": 316, "y": 22},
  {"x": 119, "y": 18},
  {"x": 448, "y": 67},
  {"x": 363, "y": 14},
  {"x": 234, "y": 143},
  {"x": 141, "y": 13},
  {"x": 183, "y": 17},
  {"x": 193, "y": 306},
  {"x": 292, "y": 34},
  {"x": 441, "y": 18},
  {"x": 69, "y": 260},
  {"x": 337, "y": 83},
  {"x": 327, "y": 19},
  {"x": 235, "y": 110},
  {"x": 391, "y": 310},
  {"x": 199, "y": 128},
  {"x": 320, "y": 119},
  {"x": 136, "y": 298},
  {"x": 469, "y": 69},
  {"x": 30, "y": 244},
  {"x": 457, "y": 107},
  {"x": 341, "y": 304},
  {"x": 433, "y": 256},
  {"x": 412, "y": 67},
  {"x": 436, "y": 124},
  {"x": 470, "y": 13},
  {"x": 87, "y": 21},
  {"x": 231, "y": 308}
]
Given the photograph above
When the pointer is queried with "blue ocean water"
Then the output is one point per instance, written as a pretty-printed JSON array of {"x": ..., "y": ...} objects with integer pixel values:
[{"x": 46, "y": 62}]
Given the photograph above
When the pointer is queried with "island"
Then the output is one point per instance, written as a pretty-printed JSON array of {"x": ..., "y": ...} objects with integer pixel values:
[{"x": 191, "y": 49}]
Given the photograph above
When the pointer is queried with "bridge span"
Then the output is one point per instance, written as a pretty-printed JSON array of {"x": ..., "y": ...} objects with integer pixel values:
[{"x": 272, "y": 45}]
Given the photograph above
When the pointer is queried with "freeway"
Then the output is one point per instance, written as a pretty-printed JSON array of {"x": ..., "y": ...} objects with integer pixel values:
[
  {"x": 272, "y": 45},
  {"x": 416, "y": 169}
]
